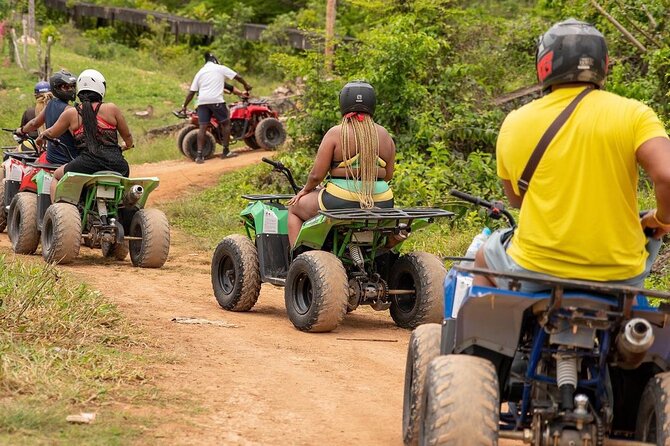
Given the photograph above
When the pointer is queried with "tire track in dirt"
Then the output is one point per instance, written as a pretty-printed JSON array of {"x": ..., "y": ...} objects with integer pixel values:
[{"x": 264, "y": 382}]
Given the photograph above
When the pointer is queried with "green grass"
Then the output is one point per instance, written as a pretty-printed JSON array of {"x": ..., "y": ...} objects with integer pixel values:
[{"x": 63, "y": 349}]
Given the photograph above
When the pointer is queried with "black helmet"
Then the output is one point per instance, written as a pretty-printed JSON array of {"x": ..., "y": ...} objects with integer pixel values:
[
  {"x": 571, "y": 51},
  {"x": 358, "y": 96},
  {"x": 209, "y": 57},
  {"x": 63, "y": 78}
]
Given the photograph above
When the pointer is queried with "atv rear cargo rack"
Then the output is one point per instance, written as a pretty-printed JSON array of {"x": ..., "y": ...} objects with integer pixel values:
[{"x": 267, "y": 197}]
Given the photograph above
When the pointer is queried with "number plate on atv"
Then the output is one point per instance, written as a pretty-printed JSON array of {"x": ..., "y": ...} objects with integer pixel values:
[{"x": 106, "y": 192}]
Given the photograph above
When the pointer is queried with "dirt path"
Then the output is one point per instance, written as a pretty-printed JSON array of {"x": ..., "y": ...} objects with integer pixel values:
[
  {"x": 262, "y": 383},
  {"x": 183, "y": 177}
]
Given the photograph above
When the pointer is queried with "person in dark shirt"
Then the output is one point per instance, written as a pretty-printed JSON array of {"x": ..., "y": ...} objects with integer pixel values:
[{"x": 63, "y": 86}]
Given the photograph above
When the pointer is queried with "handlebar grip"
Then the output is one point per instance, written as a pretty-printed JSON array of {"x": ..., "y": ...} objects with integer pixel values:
[
  {"x": 470, "y": 198},
  {"x": 272, "y": 163}
]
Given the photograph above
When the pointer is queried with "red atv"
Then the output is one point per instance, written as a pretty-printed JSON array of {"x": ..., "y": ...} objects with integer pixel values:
[
  {"x": 21, "y": 201},
  {"x": 253, "y": 121}
]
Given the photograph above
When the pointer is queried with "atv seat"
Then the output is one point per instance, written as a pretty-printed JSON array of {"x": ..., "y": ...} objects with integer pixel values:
[
  {"x": 47, "y": 166},
  {"x": 107, "y": 172}
]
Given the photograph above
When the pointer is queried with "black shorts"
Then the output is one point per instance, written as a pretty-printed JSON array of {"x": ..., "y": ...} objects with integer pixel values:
[
  {"x": 87, "y": 163},
  {"x": 206, "y": 111}
]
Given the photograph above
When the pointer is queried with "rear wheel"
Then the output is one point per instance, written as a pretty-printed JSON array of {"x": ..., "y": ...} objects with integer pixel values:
[
  {"x": 251, "y": 142},
  {"x": 190, "y": 145},
  {"x": 424, "y": 346},
  {"x": 653, "y": 420},
  {"x": 462, "y": 404},
  {"x": 22, "y": 223},
  {"x": 3, "y": 209},
  {"x": 61, "y": 233},
  {"x": 316, "y": 292},
  {"x": 270, "y": 133},
  {"x": 182, "y": 134},
  {"x": 152, "y": 250},
  {"x": 424, "y": 274},
  {"x": 235, "y": 273}
]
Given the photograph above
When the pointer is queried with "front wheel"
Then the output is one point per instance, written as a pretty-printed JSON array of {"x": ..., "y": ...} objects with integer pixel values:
[
  {"x": 424, "y": 346},
  {"x": 251, "y": 142},
  {"x": 653, "y": 422},
  {"x": 235, "y": 273},
  {"x": 3, "y": 209},
  {"x": 462, "y": 404},
  {"x": 152, "y": 247},
  {"x": 316, "y": 292},
  {"x": 424, "y": 274},
  {"x": 190, "y": 145},
  {"x": 182, "y": 134},
  {"x": 61, "y": 233},
  {"x": 22, "y": 223}
]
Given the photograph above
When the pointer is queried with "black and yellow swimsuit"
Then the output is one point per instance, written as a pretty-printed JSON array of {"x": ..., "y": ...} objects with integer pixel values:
[{"x": 340, "y": 193}]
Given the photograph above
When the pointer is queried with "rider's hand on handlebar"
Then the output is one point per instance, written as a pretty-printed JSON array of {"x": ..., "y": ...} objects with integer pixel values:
[
  {"x": 496, "y": 212},
  {"x": 40, "y": 142},
  {"x": 245, "y": 94},
  {"x": 650, "y": 220}
]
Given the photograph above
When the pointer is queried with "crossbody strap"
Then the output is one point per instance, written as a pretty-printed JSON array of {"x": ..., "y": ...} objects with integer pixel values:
[{"x": 548, "y": 136}]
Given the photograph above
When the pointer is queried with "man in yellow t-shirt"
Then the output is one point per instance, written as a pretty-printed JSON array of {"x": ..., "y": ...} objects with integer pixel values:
[{"x": 579, "y": 216}]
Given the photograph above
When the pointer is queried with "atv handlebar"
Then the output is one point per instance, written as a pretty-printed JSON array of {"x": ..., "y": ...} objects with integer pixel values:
[
  {"x": 279, "y": 167},
  {"x": 496, "y": 208},
  {"x": 20, "y": 138}
]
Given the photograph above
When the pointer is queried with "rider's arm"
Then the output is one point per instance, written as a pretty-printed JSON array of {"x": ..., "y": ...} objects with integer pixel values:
[
  {"x": 239, "y": 79},
  {"x": 230, "y": 88},
  {"x": 324, "y": 156},
  {"x": 390, "y": 162},
  {"x": 188, "y": 99},
  {"x": 59, "y": 127},
  {"x": 513, "y": 198},
  {"x": 654, "y": 157},
  {"x": 123, "y": 129},
  {"x": 33, "y": 124}
]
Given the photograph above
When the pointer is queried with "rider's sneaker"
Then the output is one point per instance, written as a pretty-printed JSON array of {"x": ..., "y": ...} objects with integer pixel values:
[
  {"x": 228, "y": 154},
  {"x": 199, "y": 159}
]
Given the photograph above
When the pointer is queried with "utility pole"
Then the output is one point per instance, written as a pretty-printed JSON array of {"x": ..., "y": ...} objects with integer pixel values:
[
  {"x": 31, "y": 18},
  {"x": 330, "y": 32}
]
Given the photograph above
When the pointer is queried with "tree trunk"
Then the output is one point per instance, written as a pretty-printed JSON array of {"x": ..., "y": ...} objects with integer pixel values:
[{"x": 330, "y": 32}]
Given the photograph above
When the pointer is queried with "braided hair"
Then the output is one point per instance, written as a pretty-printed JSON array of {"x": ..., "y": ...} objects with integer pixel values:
[
  {"x": 359, "y": 135},
  {"x": 41, "y": 102},
  {"x": 90, "y": 120}
]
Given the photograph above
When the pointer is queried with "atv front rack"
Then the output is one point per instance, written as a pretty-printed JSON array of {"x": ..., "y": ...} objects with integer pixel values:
[{"x": 377, "y": 214}]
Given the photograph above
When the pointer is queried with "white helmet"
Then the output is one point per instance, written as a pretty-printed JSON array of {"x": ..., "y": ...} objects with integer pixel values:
[{"x": 91, "y": 80}]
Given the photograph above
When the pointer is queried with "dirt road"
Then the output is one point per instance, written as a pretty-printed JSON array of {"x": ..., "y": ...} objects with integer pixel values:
[{"x": 262, "y": 383}]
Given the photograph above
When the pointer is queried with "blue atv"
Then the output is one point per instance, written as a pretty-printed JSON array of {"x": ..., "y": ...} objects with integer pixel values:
[{"x": 584, "y": 363}]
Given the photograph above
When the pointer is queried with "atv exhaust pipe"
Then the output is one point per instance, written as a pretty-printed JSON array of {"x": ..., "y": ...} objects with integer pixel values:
[
  {"x": 133, "y": 195},
  {"x": 633, "y": 343}
]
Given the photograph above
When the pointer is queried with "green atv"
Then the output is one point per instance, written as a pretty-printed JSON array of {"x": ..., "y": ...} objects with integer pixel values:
[
  {"x": 103, "y": 210},
  {"x": 340, "y": 261}
]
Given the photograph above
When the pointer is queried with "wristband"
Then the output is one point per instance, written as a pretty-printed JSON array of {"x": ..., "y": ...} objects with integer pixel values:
[{"x": 659, "y": 222}]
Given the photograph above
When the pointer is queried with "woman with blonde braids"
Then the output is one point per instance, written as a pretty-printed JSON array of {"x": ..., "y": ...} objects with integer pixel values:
[{"x": 358, "y": 158}]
